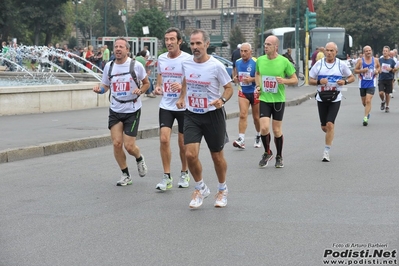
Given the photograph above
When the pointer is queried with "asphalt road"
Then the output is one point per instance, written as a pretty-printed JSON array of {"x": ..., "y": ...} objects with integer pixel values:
[{"x": 65, "y": 209}]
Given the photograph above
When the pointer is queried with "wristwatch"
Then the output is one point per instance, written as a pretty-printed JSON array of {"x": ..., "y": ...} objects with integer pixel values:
[
  {"x": 346, "y": 81},
  {"x": 223, "y": 100}
]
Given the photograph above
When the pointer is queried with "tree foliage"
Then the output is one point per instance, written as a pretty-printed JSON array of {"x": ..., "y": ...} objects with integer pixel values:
[
  {"x": 153, "y": 18},
  {"x": 236, "y": 37},
  {"x": 368, "y": 22}
]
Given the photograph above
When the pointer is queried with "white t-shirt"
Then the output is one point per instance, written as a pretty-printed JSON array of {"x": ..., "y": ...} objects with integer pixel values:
[
  {"x": 122, "y": 86},
  {"x": 171, "y": 71},
  {"x": 203, "y": 82},
  {"x": 331, "y": 71}
]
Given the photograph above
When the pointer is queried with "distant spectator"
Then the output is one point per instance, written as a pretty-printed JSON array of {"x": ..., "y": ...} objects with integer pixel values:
[
  {"x": 105, "y": 55},
  {"x": 314, "y": 55},
  {"x": 236, "y": 55},
  {"x": 320, "y": 54},
  {"x": 288, "y": 56}
]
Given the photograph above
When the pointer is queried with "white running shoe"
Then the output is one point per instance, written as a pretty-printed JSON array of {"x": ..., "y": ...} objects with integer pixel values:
[
  {"x": 258, "y": 142},
  {"x": 221, "y": 198},
  {"x": 239, "y": 143},
  {"x": 326, "y": 156},
  {"x": 198, "y": 197},
  {"x": 124, "y": 181},
  {"x": 142, "y": 167},
  {"x": 184, "y": 180},
  {"x": 166, "y": 183}
]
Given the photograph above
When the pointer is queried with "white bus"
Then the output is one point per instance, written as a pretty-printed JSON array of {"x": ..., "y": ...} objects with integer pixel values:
[
  {"x": 319, "y": 37},
  {"x": 279, "y": 33}
]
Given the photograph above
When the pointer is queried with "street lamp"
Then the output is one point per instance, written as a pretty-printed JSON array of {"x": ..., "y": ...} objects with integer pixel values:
[
  {"x": 228, "y": 15},
  {"x": 75, "y": 2},
  {"x": 175, "y": 17},
  {"x": 105, "y": 18},
  {"x": 122, "y": 13}
]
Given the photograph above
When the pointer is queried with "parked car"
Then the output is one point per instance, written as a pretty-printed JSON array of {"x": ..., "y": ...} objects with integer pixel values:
[{"x": 227, "y": 63}]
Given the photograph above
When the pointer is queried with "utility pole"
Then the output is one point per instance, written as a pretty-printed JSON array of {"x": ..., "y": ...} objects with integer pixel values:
[
  {"x": 297, "y": 38},
  {"x": 221, "y": 23},
  {"x": 263, "y": 30},
  {"x": 105, "y": 18}
]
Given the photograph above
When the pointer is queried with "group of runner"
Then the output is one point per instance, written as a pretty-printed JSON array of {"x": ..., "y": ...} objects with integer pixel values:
[{"x": 190, "y": 88}]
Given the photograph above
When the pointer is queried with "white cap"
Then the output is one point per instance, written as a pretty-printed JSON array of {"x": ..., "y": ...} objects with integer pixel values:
[{"x": 239, "y": 45}]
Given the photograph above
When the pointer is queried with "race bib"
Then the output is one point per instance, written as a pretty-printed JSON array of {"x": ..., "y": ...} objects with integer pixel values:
[
  {"x": 330, "y": 86},
  {"x": 369, "y": 75},
  {"x": 167, "y": 86},
  {"x": 198, "y": 102},
  {"x": 121, "y": 88},
  {"x": 270, "y": 84},
  {"x": 241, "y": 76},
  {"x": 384, "y": 67}
]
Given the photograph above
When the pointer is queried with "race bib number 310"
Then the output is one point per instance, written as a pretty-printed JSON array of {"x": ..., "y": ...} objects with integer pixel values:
[{"x": 270, "y": 84}]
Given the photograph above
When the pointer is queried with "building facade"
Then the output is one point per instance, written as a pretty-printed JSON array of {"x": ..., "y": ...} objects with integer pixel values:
[{"x": 217, "y": 17}]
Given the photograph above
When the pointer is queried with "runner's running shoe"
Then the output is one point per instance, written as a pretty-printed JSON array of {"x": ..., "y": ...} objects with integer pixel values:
[
  {"x": 184, "y": 180},
  {"x": 239, "y": 143},
  {"x": 221, "y": 198},
  {"x": 198, "y": 197},
  {"x": 166, "y": 183},
  {"x": 265, "y": 159},
  {"x": 365, "y": 121},
  {"x": 124, "y": 181},
  {"x": 382, "y": 106},
  {"x": 279, "y": 162},
  {"x": 142, "y": 167},
  {"x": 326, "y": 156},
  {"x": 258, "y": 142},
  {"x": 387, "y": 109}
]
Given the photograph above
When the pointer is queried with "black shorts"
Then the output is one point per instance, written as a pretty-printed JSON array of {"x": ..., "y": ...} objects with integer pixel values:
[
  {"x": 328, "y": 111},
  {"x": 166, "y": 119},
  {"x": 250, "y": 97},
  {"x": 211, "y": 125},
  {"x": 385, "y": 85},
  {"x": 272, "y": 110},
  {"x": 130, "y": 121},
  {"x": 364, "y": 91}
]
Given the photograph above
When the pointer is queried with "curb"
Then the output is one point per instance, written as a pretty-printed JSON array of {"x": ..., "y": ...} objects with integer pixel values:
[{"x": 52, "y": 148}]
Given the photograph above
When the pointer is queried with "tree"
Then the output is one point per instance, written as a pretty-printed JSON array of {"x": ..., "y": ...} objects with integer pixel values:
[
  {"x": 236, "y": 37},
  {"x": 153, "y": 18},
  {"x": 7, "y": 17},
  {"x": 46, "y": 17},
  {"x": 110, "y": 20},
  {"x": 89, "y": 17},
  {"x": 369, "y": 22}
]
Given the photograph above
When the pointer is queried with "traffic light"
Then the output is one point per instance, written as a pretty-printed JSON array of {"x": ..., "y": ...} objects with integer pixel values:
[{"x": 311, "y": 20}]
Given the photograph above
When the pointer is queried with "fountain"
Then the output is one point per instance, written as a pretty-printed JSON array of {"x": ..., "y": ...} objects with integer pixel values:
[{"x": 52, "y": 88}]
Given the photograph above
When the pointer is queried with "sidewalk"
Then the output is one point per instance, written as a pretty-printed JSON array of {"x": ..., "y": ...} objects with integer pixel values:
[{"x": 29, "y": 136}]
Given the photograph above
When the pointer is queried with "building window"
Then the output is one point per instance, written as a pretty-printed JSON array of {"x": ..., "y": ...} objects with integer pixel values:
[
  {"x": 198, "y": 24},
  {"x": 168, "y": 4},
  {"x": 214, "y": 24},
  {"x": 183, "y": 25},
  {"x": 258, "y": 3},
  {"x": 233, "y": 3},
  {"x": 257, "y": 23},
  {"x": 183, "y": 4},
  {"x": 198, "y": 4},
  {"x": 214, "y": 4}
]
